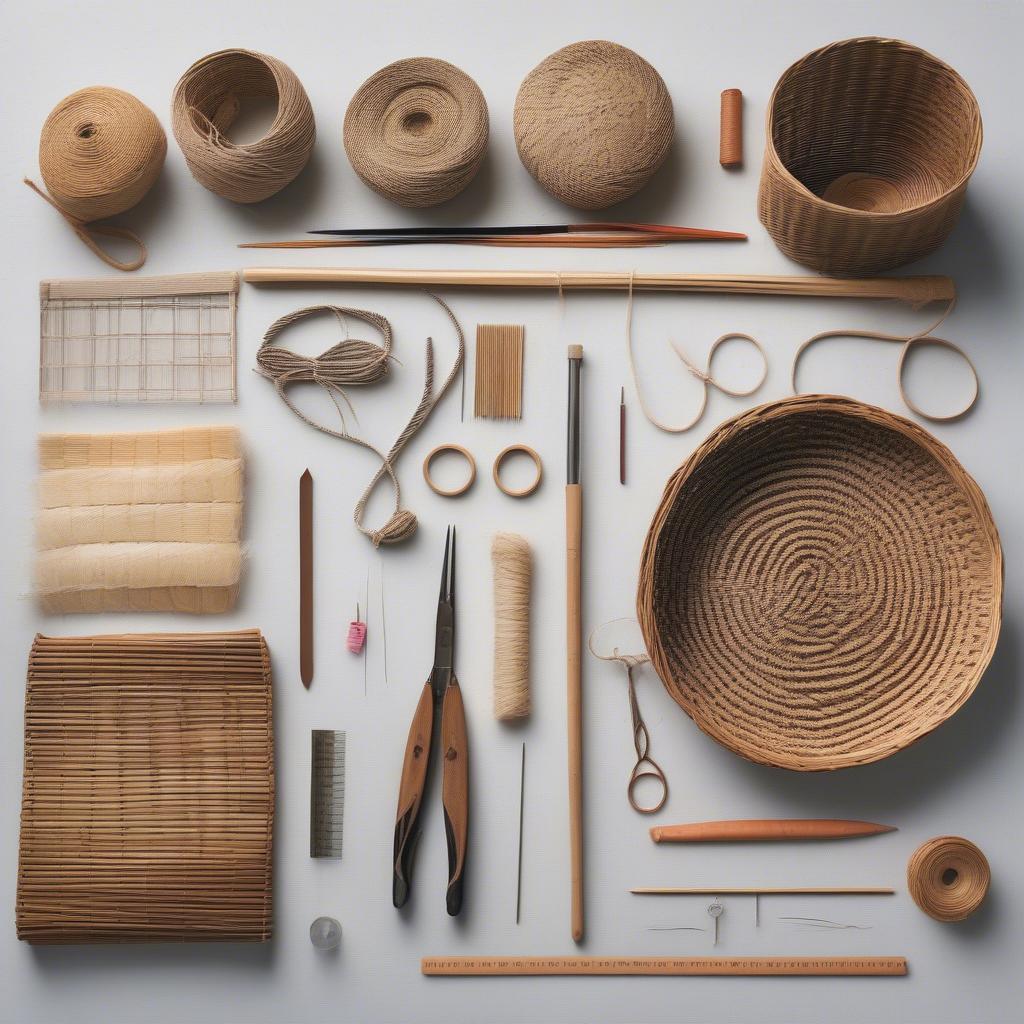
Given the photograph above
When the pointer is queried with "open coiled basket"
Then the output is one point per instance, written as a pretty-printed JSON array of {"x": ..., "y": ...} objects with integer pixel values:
[
  {"x": 869, "y": 147},
  {"x": 821, "y": 584}
]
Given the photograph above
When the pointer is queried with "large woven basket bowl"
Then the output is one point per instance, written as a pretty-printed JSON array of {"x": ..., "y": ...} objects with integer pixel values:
[
  {"x": 869, "y": 146},
  {"x": 821, "y": 584}
]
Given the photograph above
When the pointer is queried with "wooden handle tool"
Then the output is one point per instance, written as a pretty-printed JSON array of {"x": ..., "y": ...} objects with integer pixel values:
[
  {"x": 410, "y": 794},
  {"x": 766, "y": 830},
  {"x": 455, "y": 790}
]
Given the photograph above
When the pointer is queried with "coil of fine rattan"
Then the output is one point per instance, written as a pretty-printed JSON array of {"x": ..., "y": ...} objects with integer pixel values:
[
  {"x": 100, "y": 151},
  {"x": 870, "y": 145},
  {"x": 206, "y": 103},
  {"x": 592, "y": 123},
  {"x": 451, "y": 492},
  {"x": 948, "y": 878},
  {"x": 416, "y": 131},
  {"x": 513, "y": 568}
]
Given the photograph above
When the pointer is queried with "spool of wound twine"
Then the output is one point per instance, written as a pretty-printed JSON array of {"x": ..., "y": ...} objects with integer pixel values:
[
  {"x": 730, "y": 140},
  {"x": 948, "y": 878},
  {"x": 416, "y": 131},
  {"x": 513, "y": 569},
  {"x": 206, "y": 103},
  {"x": 100, "y": 151}
]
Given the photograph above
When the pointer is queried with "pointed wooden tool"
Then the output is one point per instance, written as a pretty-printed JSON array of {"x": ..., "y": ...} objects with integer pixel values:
[
  {"x": 306, "y": 578},
  {"x": 766, "y": 830}
]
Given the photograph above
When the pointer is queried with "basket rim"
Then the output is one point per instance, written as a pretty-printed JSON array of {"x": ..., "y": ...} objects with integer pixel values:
[
  {"x": 727, "y": 431},
  {"x": 891, "y": 216}
]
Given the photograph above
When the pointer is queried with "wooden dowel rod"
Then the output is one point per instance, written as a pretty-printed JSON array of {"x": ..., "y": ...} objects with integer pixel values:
[
  {"x": 917, "y": 290},
  {"x": 813, "y": 890},
  {"x": 766, "y": 829}
]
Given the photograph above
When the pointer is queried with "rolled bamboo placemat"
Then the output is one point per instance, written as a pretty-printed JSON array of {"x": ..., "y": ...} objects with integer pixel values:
[{"x": 100, "y": 151}]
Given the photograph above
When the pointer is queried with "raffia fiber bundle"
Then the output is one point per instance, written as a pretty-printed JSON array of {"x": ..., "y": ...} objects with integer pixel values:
[
  {"x": 148, "y": 801},
  {"x": 870, "y": 145},
  {"x": 821, "y": 584},
  {"x": 100, "y": 151},
  {"x": 206, "y": 102},
  {"x": 592, "y": 123},
  {"x": 140, "y": 522},
  {"x": 948, "y": 878},
  {"x": 416, "y": 131}
]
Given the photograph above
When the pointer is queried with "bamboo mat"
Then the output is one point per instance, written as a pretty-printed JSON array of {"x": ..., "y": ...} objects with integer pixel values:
[{"x": 148, "y": 800}]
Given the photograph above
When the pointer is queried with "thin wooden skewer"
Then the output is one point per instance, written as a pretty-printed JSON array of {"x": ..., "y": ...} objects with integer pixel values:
[
  {"x": 915, "y": 290},
  {"x": 766, "y": 830},
  {"x": 812, "y": 890}
]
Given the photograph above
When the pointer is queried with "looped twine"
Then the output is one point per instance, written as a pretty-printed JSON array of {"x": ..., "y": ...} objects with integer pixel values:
[
  {"x": 354, "y": 361},
  {"x": 646, "y": 767},
  {"x": 86, "y": 231}
]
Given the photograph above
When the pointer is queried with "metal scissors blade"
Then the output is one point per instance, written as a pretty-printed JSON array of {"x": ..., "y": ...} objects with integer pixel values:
[{"x": 444, "y": 637}]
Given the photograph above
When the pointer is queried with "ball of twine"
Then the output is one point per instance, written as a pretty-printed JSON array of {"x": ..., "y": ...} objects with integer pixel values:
[
  {"x": 100, "y": 151},
  {"x": 948, "y": 878},
  {"x": 205, "y": 104},
  {"x": 416, "y": 131},
  {"x": 592, "y": 123}
]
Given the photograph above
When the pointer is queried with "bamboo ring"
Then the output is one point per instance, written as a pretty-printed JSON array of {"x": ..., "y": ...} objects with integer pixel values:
[
  {"x": 455, "y": 492},
  {"x": 948, "y": 878},
  {"x": 526, "y": 491}
]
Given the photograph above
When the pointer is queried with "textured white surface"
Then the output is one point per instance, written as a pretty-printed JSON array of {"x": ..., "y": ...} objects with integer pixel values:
[{"x": 963, "y": 779}]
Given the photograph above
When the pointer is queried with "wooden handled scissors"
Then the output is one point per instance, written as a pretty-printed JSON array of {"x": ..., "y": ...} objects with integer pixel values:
[{"x": 440, "y": 721}]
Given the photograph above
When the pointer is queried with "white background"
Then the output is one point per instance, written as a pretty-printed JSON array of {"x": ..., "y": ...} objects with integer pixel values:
[{"x": 963, "y": 779}]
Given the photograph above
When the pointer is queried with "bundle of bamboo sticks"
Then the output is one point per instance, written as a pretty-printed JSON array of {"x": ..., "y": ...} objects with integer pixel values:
[
  {"x": 148, "y": 801},
  {"x": 498, "y": 392}
]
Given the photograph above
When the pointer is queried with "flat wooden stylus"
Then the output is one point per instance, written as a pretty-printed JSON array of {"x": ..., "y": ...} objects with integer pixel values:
[{"x": 766, "y": 830}]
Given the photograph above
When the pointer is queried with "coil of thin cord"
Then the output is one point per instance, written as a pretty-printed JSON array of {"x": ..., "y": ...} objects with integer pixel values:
[
  {"x": 349, "y": 362},
  {"x": 100, "y": 151},
  {"x": 416, "y": 131},
  {"x": 206, "y": 103},
  {"x": 948, "y": 878},
  {"x": 592, "y": 123}
]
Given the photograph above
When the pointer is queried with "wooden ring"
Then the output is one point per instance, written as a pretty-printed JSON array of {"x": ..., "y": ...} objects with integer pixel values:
[
  {"x": 529, "y": 488},
  {"x": 455, "y": 491}
]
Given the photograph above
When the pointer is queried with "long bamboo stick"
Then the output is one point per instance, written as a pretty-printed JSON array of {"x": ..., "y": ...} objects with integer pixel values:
[{"x": 916, "y": 290}]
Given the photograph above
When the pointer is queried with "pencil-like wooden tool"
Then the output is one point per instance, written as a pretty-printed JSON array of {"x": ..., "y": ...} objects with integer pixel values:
[
  {"x": 574, "y": 638},
  {"x": 306, "y": 578},
  {"x": 766, "y": 830}
]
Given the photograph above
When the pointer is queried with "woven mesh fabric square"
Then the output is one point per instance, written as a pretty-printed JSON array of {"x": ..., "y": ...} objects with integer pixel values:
[{"x": 148, "y": 801}]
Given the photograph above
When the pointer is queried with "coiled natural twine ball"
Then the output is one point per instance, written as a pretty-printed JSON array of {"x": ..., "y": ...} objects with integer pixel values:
[
  {"x": 592, "y": 123},
  {"x": 416, "y": 131},
  {"x": 100, "y": 151},
  {"x": 206, "y": 102},
  {"x": 948, "y": 878}
]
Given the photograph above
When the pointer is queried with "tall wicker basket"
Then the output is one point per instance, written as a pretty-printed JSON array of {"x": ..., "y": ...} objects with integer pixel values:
[{"x": 869, "y": 147}]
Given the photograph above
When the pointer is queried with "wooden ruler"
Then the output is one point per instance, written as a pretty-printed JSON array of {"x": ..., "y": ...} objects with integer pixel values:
[{"x": 753, "y": 966}]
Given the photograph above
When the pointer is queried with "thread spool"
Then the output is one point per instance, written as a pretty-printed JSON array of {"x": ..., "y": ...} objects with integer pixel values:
[
  {"x": 206, "y": 103},
  {"x": 416, "y": 131},
  {"x": 948, "y": 878},
  {"x": 513, "y": 569},
  {"x": 355, "y": 641},
  {"x": 730, "y": 137},
  {"x": 100, "y": 151}
]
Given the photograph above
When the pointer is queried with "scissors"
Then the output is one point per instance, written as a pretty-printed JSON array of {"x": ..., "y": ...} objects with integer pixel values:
[{"x": 440, "y": 721}]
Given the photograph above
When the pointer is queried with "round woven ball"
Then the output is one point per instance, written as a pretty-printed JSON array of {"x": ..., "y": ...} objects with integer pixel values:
[
  {"x": 592, "y": 123},
  {"x": 100, "y": 151},
  {"x": 821, "y": 584},
  {"x": 416, "y": 131},
  {"x": 870, "y": 145},
  {"x": 948, "y": 878}
]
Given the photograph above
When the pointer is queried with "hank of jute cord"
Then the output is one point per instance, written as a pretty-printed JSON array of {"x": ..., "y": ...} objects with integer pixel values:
[
  {"x": 513, "y": 567},
  {"x": 704, "y": 376},
  {"x": 353, "y": 361},
  {"x": 100, "y": 151},
  {"x": 948, "y": 878},
  {"x": 206, "y": 103},
  {"x": 646, "y": 767}
]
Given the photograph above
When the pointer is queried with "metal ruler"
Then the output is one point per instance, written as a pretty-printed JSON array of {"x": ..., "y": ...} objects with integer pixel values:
[
  {"x": 327, "y": 793},
  {"x": 672, "y": 965}
]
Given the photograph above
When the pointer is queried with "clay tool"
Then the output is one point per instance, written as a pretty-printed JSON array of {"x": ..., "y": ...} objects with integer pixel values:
[{"x": 766, "y": 830}]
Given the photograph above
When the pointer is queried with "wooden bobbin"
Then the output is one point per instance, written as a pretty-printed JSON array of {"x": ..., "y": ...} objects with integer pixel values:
[
  {"x": 455, "y": 492},
  {"x": 526, "y": 491}
]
